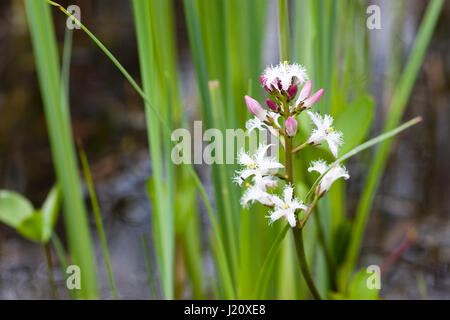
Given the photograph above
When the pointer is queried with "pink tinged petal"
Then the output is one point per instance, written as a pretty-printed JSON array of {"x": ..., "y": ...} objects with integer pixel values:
[
  {"x": 292, "y": 91},
  {"x": 279, "y": 84},
  {"x": 263, "y": 81},
  {"x": 314, "y": 98},
  {"x": 305, "y": 92},
  {"x": 272, "y": 105},
  {"x": 255, "y": 108},
  {"x": 291, "y": 126}
]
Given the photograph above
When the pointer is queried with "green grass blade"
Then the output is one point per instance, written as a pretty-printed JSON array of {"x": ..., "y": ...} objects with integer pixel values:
[
  {"x": 362, "y": 147},
  {"x": 148, "y": 268},
  {"x": 98, "y": 219},
  {"x": 268, "y": 265},
  {"x": 63, "y": 150},
  {"x": 153, "y": 82}
]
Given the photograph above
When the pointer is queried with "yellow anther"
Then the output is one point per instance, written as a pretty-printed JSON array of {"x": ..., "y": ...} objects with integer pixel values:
[
  {"x": 286, "y": 206},
  {"x": 285, "y": 65},
  {"x": 330, "y": 130},
  {"x": 251, "y": 165},
  {"x": 247, "y": 184}
]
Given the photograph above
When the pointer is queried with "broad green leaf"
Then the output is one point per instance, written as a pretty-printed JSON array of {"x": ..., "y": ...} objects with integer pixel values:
[
  {"x": 50, "y": 210},
  {"x": 32, "y": 227},
  {"x": 39, "y": 224},
  {"x": 14, "y": 208},
  {"x": 359, "y": 287}
]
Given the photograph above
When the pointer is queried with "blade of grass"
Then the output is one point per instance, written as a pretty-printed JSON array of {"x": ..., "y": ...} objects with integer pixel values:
[
  {"x": 98, "y": 218},
  {"x": 400, "y": 99},
  {"x": 63, "y": 150},
  {"x": 267, "y": 268},
  {"x": 227, "y": 221},
  {"x": 153, "y": 82},
  {"x": 148, "y": 268}
]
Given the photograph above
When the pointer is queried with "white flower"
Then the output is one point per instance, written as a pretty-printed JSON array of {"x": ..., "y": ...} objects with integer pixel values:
[
  {"x": 258, "y": 191},
  {"x": 331, "y": 176},
  {"x": 286, "y": 208},
  {"x": 325, "y": 132},
  {"x": 285, "y": 74},
  {"x": 256, "y": 123},
  {"x": 258, "y": 164}
]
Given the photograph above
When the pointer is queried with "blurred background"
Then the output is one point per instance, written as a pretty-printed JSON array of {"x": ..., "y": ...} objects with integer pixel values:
[{"x": 409, "y": 230}]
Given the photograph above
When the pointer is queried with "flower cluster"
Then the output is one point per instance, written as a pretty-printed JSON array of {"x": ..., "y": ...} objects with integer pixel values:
[{"x": 259, "y": 174}]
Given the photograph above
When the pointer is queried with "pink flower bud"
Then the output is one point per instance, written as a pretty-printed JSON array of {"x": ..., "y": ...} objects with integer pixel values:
[
  {"x": 272, "y": 105},
  {"x": 263, "y": 81},
  {"x": 292, "y": 91},
  {"x": 255, "y": 108},
  {"x": 313, "y": 99},
  {"x": 306, "y": 91},
  {"x": 291, "y": 126}
]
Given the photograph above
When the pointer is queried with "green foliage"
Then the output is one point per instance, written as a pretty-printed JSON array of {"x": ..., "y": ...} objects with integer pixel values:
[
  {"x": 34, "y": 224},
  {"x": 14, "y": 208},
  {"x": 359, "y": 288}
]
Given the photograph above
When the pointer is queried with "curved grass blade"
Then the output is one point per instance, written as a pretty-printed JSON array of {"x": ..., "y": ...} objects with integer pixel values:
[{"x": 362, "y": 147}]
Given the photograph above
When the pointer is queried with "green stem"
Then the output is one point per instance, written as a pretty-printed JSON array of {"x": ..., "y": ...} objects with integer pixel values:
[
  {"x": 283, "y": 16},
  {"x": 308, "y": 213},
  {"x": 300, "y": 248},
  {"x": 300, "y": 147},
  {"x": 51, "y": 280}
]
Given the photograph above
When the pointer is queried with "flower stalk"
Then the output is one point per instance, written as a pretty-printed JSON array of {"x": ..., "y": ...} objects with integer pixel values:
[
  {"x": 260, "y": 174},
  {"x": 298, "y": 234}
]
